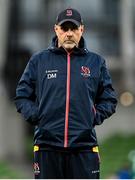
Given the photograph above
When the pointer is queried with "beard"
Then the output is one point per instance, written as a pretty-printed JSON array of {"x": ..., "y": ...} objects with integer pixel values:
[{"x": 69, "y": 45}]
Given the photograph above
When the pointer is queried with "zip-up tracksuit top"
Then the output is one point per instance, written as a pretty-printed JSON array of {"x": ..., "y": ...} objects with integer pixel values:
[{"x": 64, "y": 95}]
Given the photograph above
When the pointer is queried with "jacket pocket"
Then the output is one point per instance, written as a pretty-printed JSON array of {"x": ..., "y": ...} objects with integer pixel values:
[
  {"x": 94, "y": 110},
  {"x": 53, "y": 114},
  {"x": 35, "y": 115}
]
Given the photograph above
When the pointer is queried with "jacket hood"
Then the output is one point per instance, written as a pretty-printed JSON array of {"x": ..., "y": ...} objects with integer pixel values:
[{"x": 81, "y": 50}]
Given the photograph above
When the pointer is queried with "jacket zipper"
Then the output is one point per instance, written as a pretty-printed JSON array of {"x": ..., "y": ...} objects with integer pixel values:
[{"x": 67, "y": 102}]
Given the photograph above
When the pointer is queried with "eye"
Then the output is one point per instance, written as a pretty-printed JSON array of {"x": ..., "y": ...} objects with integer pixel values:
[
  {"x": 74, "y": 28},
  {"x": 71, "y": 28},
  {"x": 66, "y": 26}
]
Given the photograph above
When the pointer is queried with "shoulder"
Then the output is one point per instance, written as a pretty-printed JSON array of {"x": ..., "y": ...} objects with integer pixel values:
[
  {"x": 39, "y": 55},
  {"x": 96, "y": 57}
]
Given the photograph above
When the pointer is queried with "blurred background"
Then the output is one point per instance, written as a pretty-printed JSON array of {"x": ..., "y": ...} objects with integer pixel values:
[{"x": 26, "y": 26}]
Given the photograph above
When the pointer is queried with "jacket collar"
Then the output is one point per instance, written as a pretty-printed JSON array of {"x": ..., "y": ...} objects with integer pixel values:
[{"x": 81, "y": 50}]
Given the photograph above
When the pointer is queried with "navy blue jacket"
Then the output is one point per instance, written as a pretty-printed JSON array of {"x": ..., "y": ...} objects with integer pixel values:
[{"x": 65, "y": 95}]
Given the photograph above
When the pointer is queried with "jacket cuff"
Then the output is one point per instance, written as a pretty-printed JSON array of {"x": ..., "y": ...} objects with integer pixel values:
[
  {"x": 97, "y": 119},
  {"x": 33, "y": 117}
]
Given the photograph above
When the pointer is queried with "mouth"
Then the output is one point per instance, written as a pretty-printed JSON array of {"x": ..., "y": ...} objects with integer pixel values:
[{"x": 69, "y": 42}]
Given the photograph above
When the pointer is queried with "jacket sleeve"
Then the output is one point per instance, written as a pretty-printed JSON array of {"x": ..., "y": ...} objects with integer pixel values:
[
  {"x": 106, "y": 101},
  {"x": 25, "y": 99}
]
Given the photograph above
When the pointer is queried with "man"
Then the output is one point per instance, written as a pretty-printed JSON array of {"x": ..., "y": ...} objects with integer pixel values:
[{"x": 65, "y": 91}]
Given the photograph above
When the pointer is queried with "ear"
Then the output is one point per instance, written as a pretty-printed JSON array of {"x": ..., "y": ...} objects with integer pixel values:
[
  {"x": 82, "y": 28},
  {"x": 55, "y": 28}
]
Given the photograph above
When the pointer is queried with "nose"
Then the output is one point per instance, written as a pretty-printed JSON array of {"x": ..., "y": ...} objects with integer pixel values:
[{"x": 69, "y": 32}]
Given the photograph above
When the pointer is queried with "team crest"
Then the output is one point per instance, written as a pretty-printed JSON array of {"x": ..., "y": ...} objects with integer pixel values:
[
  {"x": 36, "y": 168},
  {"x": 85, "y": 71}
]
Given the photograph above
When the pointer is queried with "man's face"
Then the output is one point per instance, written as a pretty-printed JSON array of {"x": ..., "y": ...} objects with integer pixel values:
[{"x": 68, "y": 35}]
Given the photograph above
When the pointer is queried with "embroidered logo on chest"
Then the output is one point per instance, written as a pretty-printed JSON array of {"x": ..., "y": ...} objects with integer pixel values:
[{"x": 85, "y": 71}]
